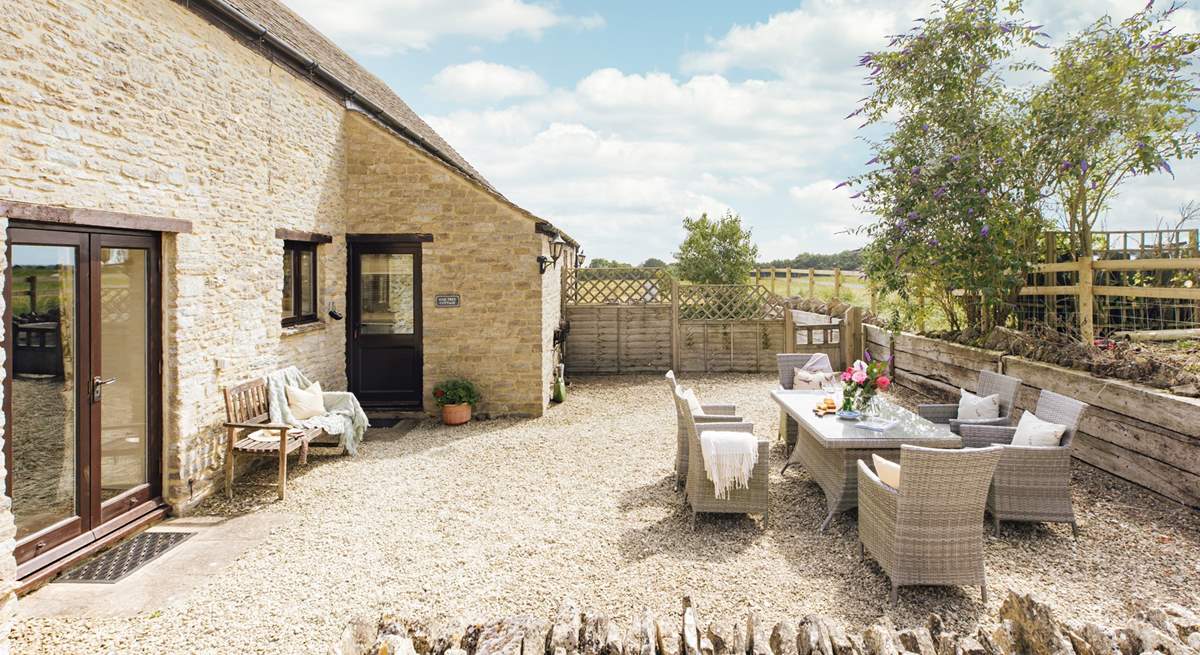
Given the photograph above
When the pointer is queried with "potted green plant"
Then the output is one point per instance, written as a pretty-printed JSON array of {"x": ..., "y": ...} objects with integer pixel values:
[{"x": 455, "y": 397}]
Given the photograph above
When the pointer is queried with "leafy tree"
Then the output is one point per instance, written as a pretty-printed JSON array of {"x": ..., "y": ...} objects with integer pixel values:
[
  {"x": 601, "y": 262},
  {"x": 716, "y": 251},
  {"x": 654, "y": 262},
  {"x": 847, "y": 260},
  {"x": 1118, "y": 104},
  {"x": 955, "y": 194}
]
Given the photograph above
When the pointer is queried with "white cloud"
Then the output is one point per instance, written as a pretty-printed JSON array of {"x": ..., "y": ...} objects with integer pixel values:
[
  {"x": 753, "y": 122},
  {"x": 383, "y": 27},
  {"x": 485, "y": 81}
]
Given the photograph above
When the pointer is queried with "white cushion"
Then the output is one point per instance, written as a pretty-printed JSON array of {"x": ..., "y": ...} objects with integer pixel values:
[
  {"x": 692, "y": 401},
  {"x": 1033, "y": 431},
  {"x": 802, "y": 379},
  {"x": 887, "y": 471},
  {"x": 971, "y": 406},
  {"x": 305, "y": 403}
]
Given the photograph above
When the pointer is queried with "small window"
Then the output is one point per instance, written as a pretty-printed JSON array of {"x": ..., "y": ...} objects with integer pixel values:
[{"x": 299, "y": 282}]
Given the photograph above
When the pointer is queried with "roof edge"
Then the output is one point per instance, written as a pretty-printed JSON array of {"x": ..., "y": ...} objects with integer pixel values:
[{"x": 235, "y": 19}]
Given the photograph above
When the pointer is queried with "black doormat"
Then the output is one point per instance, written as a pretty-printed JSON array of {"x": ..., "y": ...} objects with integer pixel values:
[
  {"x": 385, "y": 422},
  {"x": 126, "y": 558}
]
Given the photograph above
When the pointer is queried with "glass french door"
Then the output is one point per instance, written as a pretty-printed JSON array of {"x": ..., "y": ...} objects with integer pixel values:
[
  {"x": 385, "y": 324},
  {"x": 82, "y": 407}
]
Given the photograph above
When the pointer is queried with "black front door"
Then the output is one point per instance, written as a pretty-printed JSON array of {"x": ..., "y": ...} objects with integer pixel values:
[{"x": 385, "y": 323}]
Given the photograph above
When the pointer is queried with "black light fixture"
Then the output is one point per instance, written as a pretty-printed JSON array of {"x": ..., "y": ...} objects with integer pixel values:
[
  {"x": 556, "y": 248},
  {"x": 580, "y": 258}
]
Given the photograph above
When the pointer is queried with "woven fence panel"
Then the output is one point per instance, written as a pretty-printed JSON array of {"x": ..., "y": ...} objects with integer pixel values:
[
  {"x": 619, "y": 339},
  {"x": 618, "y": 286},
  {"x": 728, "y": 302}
]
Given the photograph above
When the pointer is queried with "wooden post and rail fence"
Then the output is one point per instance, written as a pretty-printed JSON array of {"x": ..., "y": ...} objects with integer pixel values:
[{"x": 791, "y": 282}]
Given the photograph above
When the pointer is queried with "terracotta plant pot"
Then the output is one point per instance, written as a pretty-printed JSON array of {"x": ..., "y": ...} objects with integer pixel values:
[{"x": 456, "y": 414}]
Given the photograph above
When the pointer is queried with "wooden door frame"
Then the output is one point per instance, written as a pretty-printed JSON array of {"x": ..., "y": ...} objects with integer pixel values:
[
  {"x": 29, "y": 557},
  {"x": 357, "y": 244}
]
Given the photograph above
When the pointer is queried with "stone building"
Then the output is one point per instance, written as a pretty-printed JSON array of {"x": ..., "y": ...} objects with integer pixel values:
[{"x": 194, "y": 194}]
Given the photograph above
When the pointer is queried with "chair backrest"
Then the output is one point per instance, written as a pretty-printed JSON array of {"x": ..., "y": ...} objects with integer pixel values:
[
  {"x": 943, "y": 490},
  {"x": 671, "y": 379},
  {"x": 683, "y": 412},
  {"x": 1004, "y": 386},
  {"x": 247, "y": 402},
  {"x": 1057, "y": 408},
  {"x": 788, "y": 363}
]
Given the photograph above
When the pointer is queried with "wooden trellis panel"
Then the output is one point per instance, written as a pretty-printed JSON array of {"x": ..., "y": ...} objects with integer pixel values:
[{"x": 617, "y": 286}]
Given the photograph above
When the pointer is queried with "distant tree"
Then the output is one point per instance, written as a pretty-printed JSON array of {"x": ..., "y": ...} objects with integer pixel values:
[
  {"x": 654, "y": 262},
  {"x": 716, "y": 251},
  {"x": 601, "y": 262},
  {"x": 847, "y": 260}
]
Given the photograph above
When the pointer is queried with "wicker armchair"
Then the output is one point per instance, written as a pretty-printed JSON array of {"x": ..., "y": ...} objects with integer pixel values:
[
  {"x": 713, "y": 413},
  {"x": 989, "y": 383},
  {"x": 928, "y": 532},
  {"x": 788, "y": 363},
  {"x": 699, "y": 490},
  {"x": 1032, "y": 483}
]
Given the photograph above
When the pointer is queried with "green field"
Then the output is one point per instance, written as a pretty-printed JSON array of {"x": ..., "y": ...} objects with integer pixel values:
[{"x": 48, "y": 281}]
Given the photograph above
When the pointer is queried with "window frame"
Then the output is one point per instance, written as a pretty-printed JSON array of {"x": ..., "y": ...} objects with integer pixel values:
[{"x": 292, "y": 255}]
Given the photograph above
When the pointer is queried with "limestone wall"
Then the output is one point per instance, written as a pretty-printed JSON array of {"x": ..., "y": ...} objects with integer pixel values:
[
  {"x": 483, "y": 249},
  {"x": 143, "y": 107}
]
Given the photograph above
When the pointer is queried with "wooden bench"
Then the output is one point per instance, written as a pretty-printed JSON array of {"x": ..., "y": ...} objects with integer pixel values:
[{"x": 246, "y": 411}]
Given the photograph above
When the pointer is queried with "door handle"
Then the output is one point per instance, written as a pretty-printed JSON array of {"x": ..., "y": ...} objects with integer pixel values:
[{"x": 98, "y": 385}]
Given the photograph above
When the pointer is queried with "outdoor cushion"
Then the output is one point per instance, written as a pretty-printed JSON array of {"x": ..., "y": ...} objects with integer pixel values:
[
  {"x": 1033, "y": 431},
  {"x": 971, "y": 406},
  {"x": 802, "y": 379},
  {"x": 887, "y": 471},
  {"x": 692, "y": 401},
  {"x": 305, "y": 403}
]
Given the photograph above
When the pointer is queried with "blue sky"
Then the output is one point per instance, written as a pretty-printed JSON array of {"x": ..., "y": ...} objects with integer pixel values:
[{"x": 615, "y": 120}]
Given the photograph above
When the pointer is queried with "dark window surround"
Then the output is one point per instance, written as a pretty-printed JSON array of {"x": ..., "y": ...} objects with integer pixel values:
[{"x": 292, "y": 257}]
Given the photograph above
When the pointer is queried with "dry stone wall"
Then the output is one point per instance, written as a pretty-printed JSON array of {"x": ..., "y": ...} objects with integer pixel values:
[{"x": 1025, "y": 627}]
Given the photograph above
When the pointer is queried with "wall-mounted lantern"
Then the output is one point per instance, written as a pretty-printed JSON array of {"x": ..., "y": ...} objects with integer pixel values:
[
  {"x": 580, "y": 258},
  {"x": 556, "y": 248}
]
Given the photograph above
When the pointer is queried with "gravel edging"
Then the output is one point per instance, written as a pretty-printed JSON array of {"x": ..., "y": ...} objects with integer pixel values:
[{"x": 510, "y": 516}]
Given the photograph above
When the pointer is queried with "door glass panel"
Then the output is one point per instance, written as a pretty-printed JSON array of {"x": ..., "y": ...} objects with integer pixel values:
[
  {"x": 386, "y": 290},
  {"x": 124, "y": 332},
  {"x": 43, "y": 386}
]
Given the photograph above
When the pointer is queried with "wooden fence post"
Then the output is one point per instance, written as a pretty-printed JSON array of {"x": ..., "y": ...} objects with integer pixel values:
[
  {"x": 773, "y": 276},
  {"x": 791, "y": 273},
  {"x": 837, "y": 283},
  {"x": 852, "y": 335},
  {"x": 1087, "y": 301},
  {"x": 675, "y": 325},
  {"x": 812, "y": 283},
  {"x": 33, "y": 299},
  {"x": 789, "y": 331},
  {"x": 874, "y": 294}
]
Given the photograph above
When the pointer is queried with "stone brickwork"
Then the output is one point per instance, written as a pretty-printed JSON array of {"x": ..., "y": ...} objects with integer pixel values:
[
  {"x": 483, "y": 249},
  {"x": 142, "y": 106}
]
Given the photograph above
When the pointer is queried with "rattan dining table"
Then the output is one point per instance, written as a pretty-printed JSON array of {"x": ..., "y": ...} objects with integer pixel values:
[{"x": 829, "y": 447}]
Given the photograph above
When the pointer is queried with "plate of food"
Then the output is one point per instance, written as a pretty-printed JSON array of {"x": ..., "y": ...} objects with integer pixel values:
[
  {"x": 849, "y": 415},
  {"x": 825, "y": 406}
]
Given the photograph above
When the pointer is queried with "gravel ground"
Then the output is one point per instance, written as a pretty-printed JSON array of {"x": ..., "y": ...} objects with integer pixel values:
[{"x": 503, "y": 517}]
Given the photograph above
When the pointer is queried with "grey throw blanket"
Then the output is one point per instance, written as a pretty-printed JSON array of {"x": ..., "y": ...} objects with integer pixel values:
[{"x": 343, "y": 415}]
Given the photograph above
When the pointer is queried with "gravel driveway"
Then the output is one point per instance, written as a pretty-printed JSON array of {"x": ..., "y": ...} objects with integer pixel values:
[{"x": 508, "y": 516}]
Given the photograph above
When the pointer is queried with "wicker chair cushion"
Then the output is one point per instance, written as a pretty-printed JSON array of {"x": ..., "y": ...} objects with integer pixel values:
[
  {"x": 803, "y": 379},
  {"x": 887, "y": 471},
  {"x": 1033, "y": 431},
  {"x": 692, "y": 401},
  {"x": 971, "y": 406}
]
